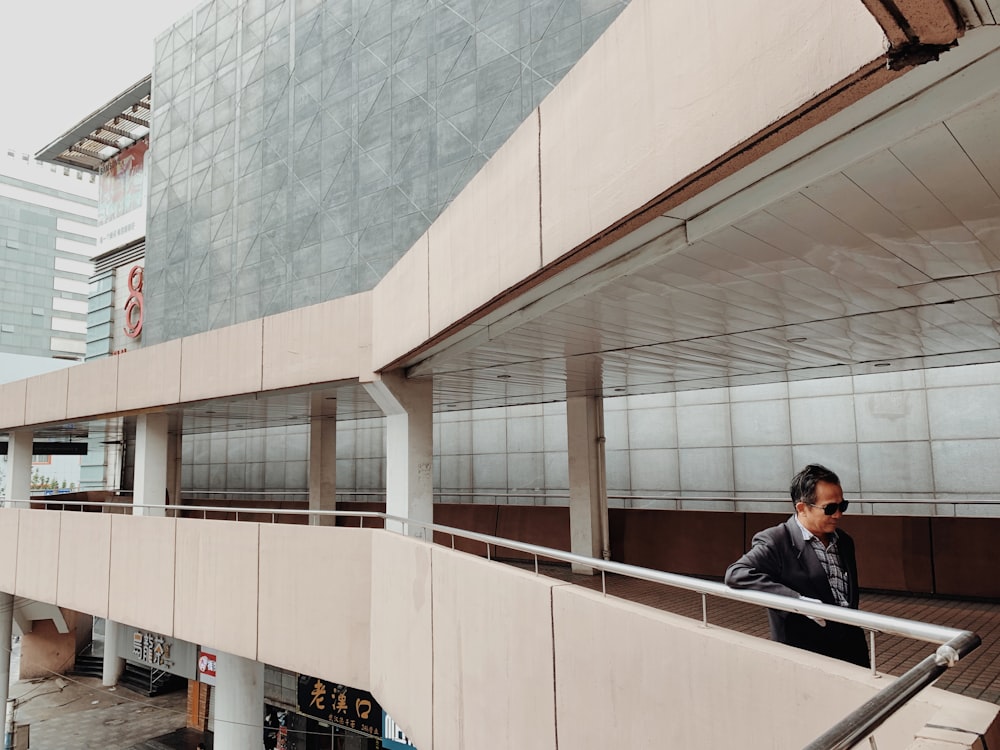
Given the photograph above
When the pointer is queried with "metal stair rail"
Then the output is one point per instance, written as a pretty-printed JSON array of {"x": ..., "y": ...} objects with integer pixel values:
[{"x": 953, "y": 644}]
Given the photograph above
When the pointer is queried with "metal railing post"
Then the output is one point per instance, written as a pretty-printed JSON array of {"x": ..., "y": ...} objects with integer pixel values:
[{"x": 871, "y": 652}]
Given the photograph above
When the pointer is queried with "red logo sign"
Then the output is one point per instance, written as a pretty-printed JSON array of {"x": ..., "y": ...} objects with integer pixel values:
[
  {"x": 133, "y": 305},
  {"x": 206, "y": 665}
]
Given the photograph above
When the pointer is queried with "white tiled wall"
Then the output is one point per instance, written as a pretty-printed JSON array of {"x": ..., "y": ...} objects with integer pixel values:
[{"x": 912, "y": 435}]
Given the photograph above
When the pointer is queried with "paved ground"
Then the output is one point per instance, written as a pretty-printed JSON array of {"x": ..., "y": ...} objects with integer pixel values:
[{"x": 78, "y": 713}]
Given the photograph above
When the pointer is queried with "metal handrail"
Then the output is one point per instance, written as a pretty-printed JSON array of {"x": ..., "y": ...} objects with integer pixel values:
[
  {"x": 859, "y": 504},
  {"x": 860, "y": 723},
  {"x": 869, "y": 716}
]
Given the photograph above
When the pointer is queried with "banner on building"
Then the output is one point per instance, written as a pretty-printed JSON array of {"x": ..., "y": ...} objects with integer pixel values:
[{"x": 121, "y": 203}]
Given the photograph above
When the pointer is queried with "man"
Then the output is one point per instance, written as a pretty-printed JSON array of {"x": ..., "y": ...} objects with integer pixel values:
[{"x": 808, "y": 557}]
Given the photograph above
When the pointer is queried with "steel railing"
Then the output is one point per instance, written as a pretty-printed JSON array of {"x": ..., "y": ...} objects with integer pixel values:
[
  {"x": 930, "y": 507},
  {"x": 952, "y": 643}
]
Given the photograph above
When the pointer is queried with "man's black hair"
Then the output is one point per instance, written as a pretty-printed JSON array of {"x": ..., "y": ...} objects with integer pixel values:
[{"x": 803, "y": 489}]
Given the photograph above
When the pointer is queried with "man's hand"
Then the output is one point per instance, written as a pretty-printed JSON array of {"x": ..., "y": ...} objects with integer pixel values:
[{"x": 818, "y": 620}]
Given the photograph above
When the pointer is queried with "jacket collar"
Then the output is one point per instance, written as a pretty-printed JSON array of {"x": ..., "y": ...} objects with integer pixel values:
[{"x": 809, "y": 562}]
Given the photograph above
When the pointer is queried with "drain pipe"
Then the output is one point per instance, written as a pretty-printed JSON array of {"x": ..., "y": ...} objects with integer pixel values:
[{"x": 602, "y": 486}]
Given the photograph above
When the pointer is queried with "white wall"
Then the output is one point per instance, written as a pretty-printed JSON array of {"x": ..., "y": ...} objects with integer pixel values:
[{"x": 909, "y": 435}]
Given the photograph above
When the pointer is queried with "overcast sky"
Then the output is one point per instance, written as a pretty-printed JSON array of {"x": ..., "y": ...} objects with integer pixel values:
[{"x": 62, "y": 59}]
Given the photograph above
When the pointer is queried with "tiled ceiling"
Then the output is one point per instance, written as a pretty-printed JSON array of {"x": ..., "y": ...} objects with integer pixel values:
[{"x": 891, "y": 263}]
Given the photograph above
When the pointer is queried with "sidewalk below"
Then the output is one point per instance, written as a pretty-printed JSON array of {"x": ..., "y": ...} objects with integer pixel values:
[{"x": 79, "y": 713}]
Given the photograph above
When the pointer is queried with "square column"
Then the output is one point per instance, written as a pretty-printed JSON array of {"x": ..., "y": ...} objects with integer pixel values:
[
  {"x": 18, "y": 485},
  {"x": 588, "y": 493},
  {"x": 174, "y": 468},
  {"x": 409, "y": 443},
  {"x": 151, "y": 464},
  {"x": 6, "y": 630},
  {"x": 323, "y": 457}
]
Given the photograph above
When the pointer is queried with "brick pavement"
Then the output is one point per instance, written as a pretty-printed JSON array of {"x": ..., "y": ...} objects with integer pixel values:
[{"x": 78, "y": 713}]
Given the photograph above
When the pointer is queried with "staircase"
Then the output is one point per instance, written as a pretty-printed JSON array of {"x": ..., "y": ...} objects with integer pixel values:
[
  {"x": 148, "y": 681},
  {"x": 137, "y": 677},
  {"x": 88, "y": 664}
]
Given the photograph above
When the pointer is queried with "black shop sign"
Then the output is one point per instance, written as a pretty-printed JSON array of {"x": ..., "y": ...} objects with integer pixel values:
[{"x": 339, "y": 704}]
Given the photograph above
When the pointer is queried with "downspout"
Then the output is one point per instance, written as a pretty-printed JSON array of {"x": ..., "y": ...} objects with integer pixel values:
[{"x": 602, "y": 487}]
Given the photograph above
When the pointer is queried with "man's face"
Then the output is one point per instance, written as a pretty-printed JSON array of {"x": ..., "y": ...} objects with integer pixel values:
[{"x": 813, "y": 517}]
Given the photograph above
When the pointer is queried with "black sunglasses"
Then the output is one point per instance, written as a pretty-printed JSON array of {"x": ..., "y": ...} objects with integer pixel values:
[{"x": 830, "y": 508}]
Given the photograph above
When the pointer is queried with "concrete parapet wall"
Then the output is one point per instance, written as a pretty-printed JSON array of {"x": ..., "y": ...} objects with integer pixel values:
[{"x": 461, "y": 651}]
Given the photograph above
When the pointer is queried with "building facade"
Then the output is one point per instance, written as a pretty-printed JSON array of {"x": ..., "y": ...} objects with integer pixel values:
[
  {"x": 48, "y": 219},
  {"x": 299, "y": 149},
  {"x": 685, "y": 271}
]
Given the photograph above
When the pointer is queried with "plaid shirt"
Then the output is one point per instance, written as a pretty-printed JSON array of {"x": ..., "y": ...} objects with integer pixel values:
[{"x": 829, "y": 558}]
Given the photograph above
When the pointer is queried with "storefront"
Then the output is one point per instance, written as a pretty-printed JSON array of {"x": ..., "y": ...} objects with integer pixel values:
[{"x": 331, "y": 716}]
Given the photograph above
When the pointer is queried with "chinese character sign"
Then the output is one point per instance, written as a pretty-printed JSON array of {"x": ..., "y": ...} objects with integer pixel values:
[
  {"x": 151, "y": 648},
  {"x": 158, "y": 651},
  {"x": 339, "y": 704}
]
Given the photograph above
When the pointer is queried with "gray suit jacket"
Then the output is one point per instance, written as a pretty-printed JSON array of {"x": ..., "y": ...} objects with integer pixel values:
[{"x": 781, "y": 562}]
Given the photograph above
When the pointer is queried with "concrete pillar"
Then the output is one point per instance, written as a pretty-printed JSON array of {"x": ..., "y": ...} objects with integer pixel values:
[
  {"x": 409, "y": 445},
  {"x": 6, "y": 631},
  {"x": 151, "y": 449},
  {"x": 113, "y": 665},
  {"x": 588, "y": 494},
  {"x": 174, "y": 468},
  {"x": 19, "y": 448},
  {"x": 323, "y": 457},
  {"x": 239, "y": 702}
]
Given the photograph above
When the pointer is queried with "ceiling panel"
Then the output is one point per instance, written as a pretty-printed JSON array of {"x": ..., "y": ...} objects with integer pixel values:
[
  {"x": 936, "y": 159},
  {"x": 881, "y": 226},
  {"x": 890, "y": 183},
  {"x": 975, "y": 131}
]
